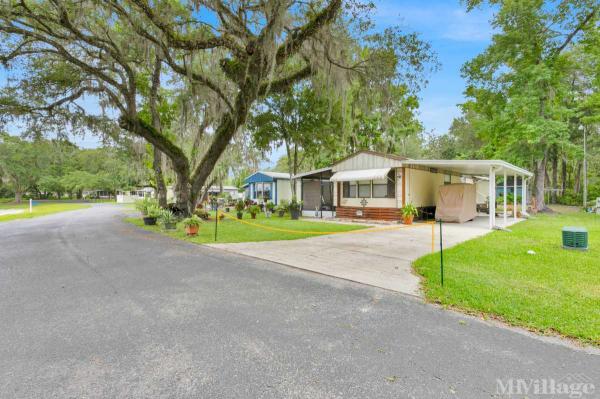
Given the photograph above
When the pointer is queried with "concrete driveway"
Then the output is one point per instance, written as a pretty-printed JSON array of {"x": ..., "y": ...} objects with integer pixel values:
[
  {"x": 92, "y": 307},
  {"x": 378, "y": 258}
]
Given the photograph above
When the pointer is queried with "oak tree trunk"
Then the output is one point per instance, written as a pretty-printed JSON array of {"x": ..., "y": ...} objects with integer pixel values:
[
  {"x": 161, "y": 187},
  {"x": 577, "y": 182},
  {"x": 554, "y": 178}
]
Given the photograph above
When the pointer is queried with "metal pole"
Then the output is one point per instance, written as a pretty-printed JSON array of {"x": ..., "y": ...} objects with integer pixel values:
[
  {"x": 30, "y": 205},
  {"x": 216, "y": 219},
  {"x": 441, "y": 255}
]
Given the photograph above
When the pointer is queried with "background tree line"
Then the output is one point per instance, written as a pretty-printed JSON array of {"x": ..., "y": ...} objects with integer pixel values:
[{"x": 57, "y": 169}]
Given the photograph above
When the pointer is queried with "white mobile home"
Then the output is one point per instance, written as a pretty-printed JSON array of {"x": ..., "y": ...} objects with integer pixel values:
[{"x": 371, "y": 185}]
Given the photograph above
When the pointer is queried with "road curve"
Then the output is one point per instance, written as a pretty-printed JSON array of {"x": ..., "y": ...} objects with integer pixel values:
[{"x": 93, "y": 307}]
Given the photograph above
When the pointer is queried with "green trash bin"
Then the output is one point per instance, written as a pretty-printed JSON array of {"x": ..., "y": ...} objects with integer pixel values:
[{"x": 575, "y": 238}]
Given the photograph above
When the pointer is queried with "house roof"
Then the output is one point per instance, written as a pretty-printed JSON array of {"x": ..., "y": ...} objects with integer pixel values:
[
  {"x": 266, "y": 176},
  {"x": 312, "y": 172},
  {"x": 471, "y": 166},
  {"x": 376, "y": 153}
]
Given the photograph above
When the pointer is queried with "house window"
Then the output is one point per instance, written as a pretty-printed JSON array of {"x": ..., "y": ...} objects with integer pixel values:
[
  {"x": 258, "y": 190},
  {"x": 266, "y": 191},
  {"x": 364, "y": 189},
  {"x": 447, "y": 179},
  {"x": 349, "y": 189},
  {"x": 385, "y": 188}
]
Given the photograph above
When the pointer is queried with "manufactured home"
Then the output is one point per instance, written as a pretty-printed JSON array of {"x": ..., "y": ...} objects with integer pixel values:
[
  {"x": 265, "y": 186},
  {"x": 372, "y": 185}
]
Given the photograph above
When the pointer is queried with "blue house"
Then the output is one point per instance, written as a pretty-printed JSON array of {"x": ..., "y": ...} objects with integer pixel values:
[{"x": 268, "y": 186}]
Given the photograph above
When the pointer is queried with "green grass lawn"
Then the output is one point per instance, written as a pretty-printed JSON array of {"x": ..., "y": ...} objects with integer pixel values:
[
  {"x": 38, "y": 210},
  {"x": 553, "y": 291},
  {"x": 230, "y": 230}
]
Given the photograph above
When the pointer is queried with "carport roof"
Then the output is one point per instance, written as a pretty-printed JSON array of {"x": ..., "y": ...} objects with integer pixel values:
[{"x": 470, "y": 166}]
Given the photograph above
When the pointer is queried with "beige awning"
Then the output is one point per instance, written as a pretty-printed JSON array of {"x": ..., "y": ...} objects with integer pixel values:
[{"x": 360, "y": 175}]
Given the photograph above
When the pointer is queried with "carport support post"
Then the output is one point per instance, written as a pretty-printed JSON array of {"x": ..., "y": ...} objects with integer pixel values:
[
  {"x": 492, "y": 197},
  {"x": 515, "y": 197},
  {"x": 505, "y": 216},
  {"x": 524, "y": 195}
]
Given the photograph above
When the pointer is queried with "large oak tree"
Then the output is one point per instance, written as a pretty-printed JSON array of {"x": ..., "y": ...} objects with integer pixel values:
[{"x": 236, "y": 52}]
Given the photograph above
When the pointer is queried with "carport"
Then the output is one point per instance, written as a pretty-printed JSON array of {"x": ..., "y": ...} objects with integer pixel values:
[{"x": 490, "y": 169}]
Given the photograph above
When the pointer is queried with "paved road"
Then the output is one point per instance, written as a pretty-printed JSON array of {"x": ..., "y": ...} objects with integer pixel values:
[{"x": 92, "y": 307}]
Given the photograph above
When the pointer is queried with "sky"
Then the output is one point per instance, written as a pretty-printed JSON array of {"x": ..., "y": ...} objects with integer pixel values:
[{"x": 455, "y": 36}]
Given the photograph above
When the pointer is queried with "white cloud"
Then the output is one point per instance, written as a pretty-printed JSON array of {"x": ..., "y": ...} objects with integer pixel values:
[{"x": 436, "y": 20}]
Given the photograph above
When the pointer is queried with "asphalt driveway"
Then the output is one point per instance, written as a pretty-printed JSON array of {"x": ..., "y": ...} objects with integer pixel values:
[{"x": 93, "y": 307}]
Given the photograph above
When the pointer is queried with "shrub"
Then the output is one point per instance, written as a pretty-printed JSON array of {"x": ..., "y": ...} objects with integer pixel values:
[
  {"x": 239, "y": 206},
  {"x": 295, "y": 206},
  {"x": 284, "y": 204},
  {"x": 166, "y": 216},
  {"x": 192, "y": 221},
  {"x": 253, "y": 209},
  {"x": 270, "y": 206},
  {"x": 409, "y": 210},
  {"x": 145, "y": 204},
  {"x": 153, "y": 211}
]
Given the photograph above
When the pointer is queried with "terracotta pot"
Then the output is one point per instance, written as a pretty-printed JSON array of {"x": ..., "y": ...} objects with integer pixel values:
[
  {"x": 408, "y": 219},
  {"x": 191, "y": 230}
]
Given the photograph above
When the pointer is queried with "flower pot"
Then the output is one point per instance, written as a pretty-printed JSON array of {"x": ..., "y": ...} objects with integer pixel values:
[
  {"x": 408, "y": 219},
  {"x": 227, "y": 209},
  {"x": 295, "y": 214},
  {"x": 268, "y": 214},
  {"x": 191, "y": 230},
  {"x": 253, "y": 215},
  {"x": 281, "y": 214},
  {"x": 170, "y": 226},
  {"x": 240, "y": 215},
  {"x": 149, "y": 221}
]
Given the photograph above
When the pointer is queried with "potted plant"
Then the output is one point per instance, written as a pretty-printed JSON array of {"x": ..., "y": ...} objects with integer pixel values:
[
  {"x": 409, "y": 211},
  {"x": 295, "y": 207},
  {"x": 269, "y": 207},
  {"x": 253, "y": 210},
  {"x": 167, "y": 219},
  {"x": 239, "y": 209},
  {"x": 192, "y": 225},
  {"x": 149, "y": 209},
  {"x": 282, "y": 208}
]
